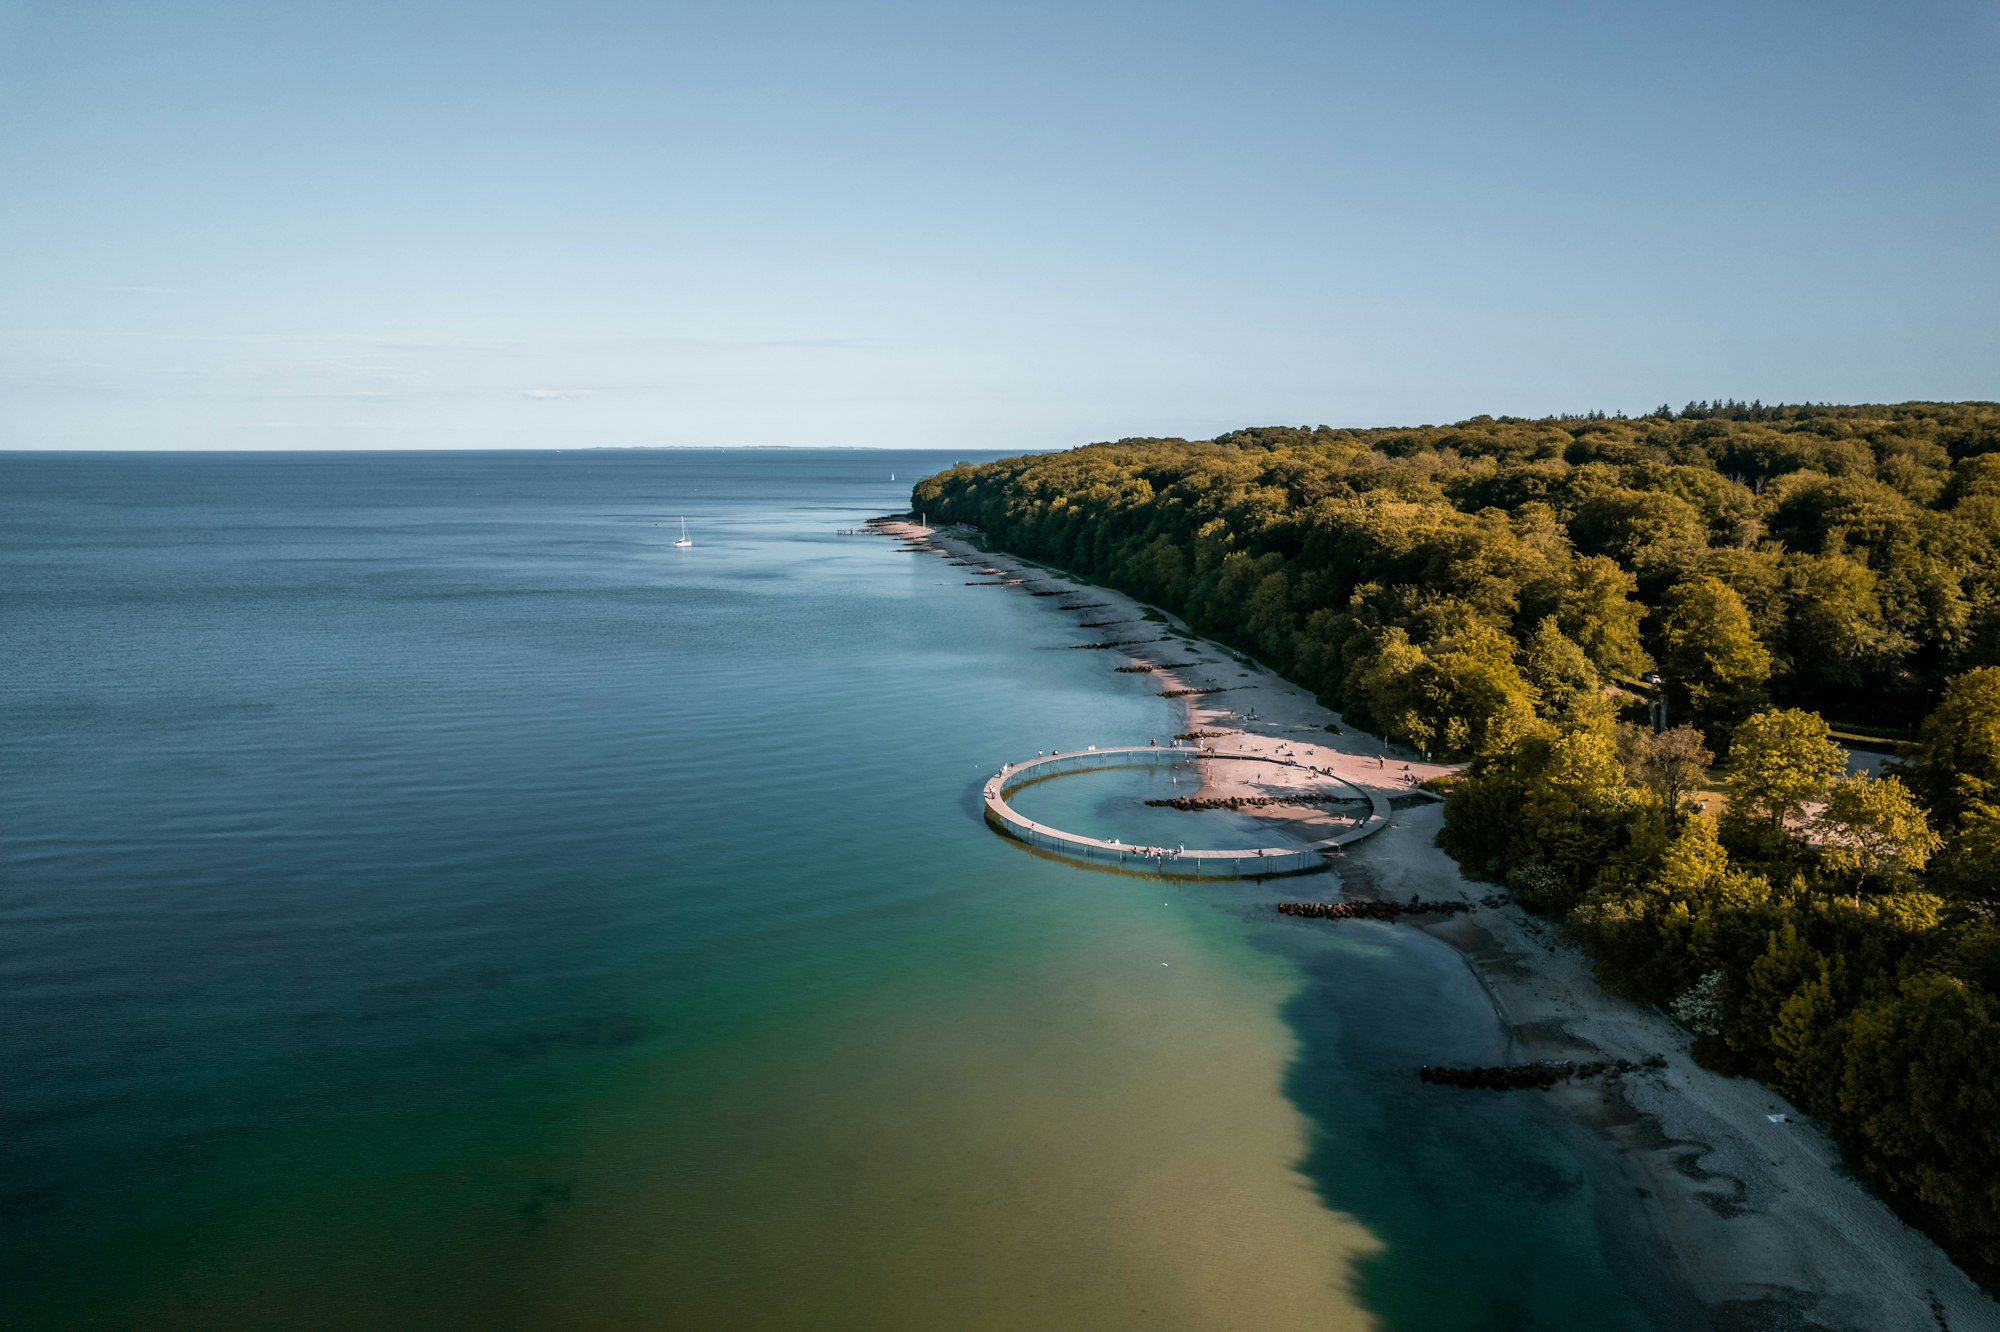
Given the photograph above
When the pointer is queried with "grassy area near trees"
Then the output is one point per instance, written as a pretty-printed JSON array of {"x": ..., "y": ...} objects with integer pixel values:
[{"x": 1472, "y": 590}]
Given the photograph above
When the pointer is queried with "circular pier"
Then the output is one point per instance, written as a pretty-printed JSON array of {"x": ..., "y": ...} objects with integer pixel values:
[{"x": 1254, "y": 863}]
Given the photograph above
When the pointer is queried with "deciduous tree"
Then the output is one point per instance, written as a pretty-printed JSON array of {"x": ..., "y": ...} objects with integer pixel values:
[
  {"x": 1956, "y": 765},
  {"x": 1779, "y": 762},
  {"x": 1872, "y": 826},
  {"x": 1670, "y": 763},
  {"x": 1715, "y": 667}
]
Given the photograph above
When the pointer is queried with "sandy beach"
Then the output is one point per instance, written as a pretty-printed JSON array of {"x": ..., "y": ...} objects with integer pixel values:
[{"x": 1756, "y": 1216}]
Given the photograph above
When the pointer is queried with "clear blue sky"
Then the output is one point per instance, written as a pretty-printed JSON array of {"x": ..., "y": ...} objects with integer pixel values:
[{"x": 417, "y": 224}]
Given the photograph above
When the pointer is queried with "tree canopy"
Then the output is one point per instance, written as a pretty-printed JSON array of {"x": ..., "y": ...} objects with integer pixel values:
[{"x": 1844, "y": 559}]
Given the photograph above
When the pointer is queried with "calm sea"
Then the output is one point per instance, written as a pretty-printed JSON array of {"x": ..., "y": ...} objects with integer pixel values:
[{"x": 428, "y": 899}]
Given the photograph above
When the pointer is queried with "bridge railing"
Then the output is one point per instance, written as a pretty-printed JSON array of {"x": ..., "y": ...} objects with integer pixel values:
[{"x": 1197, "y": 864}]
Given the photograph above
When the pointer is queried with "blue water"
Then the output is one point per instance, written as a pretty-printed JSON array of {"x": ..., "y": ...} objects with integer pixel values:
[
  {"x": 429, "y": 899},
  {"x": 1111, "y": 803}
]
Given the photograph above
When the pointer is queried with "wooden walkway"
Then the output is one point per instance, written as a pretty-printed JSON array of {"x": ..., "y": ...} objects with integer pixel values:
[{"x": 1173, "y": 862}]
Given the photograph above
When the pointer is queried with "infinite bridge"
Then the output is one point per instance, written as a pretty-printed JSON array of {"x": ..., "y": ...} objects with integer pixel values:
[{"x": 1192, "y": 864}]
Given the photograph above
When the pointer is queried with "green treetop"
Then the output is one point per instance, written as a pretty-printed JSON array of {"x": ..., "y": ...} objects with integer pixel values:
[
  {"x": 1669, "y": 763},
  {"x": 1780, "y": 761},
  {"x": 1873, "y": 826},
  {"x": 1713, "y": 663},
  {"x": 1956, "y": 766}
]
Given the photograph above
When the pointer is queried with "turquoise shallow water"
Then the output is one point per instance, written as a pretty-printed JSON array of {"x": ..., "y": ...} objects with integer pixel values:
[{"x": 427, "y": 898}]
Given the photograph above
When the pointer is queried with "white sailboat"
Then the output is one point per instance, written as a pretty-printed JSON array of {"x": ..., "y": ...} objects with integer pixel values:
[{"x": 685, "y": 540}]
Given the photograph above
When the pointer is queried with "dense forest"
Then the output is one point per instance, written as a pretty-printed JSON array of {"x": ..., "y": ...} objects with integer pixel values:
[{"x": 1501, "y": 589}]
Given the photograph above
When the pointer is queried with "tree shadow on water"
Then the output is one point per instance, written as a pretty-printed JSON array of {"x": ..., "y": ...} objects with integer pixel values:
[{"x": 1485, "y": 1215}]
